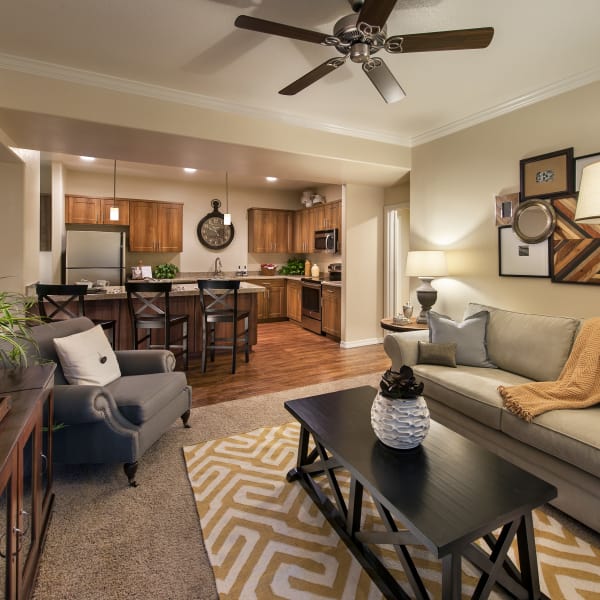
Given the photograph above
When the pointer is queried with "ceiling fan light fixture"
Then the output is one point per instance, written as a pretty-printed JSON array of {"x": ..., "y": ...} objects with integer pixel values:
[{"x": 360, "y": 52}]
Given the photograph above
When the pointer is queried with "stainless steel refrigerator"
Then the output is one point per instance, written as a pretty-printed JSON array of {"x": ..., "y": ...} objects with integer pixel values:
[{"x": 94, "y": 255}]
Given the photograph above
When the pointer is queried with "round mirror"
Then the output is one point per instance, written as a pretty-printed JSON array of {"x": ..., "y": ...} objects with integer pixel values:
[{"x": 534, "y": 221}]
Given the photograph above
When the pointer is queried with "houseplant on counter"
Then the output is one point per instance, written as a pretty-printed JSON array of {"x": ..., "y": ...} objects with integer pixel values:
[
  {"x": 399, "y": 414},
  {"x": 165, "y": 271},
  {"x": 294, "y": 266}
]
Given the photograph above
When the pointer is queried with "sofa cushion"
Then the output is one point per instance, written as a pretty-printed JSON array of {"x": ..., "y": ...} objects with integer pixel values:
[
  {"x": 140, "y": 397},
  {"x": 87, "y": 358},
  {"x": 437, "y": 354},
  {"x": 471, "y": 391},
  {"x": 469, "y": 337},
  {"x": 535, "y": 346},
  {"x": 571, "y": 435}
]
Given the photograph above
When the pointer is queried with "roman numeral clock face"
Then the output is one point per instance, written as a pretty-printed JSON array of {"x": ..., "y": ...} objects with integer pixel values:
[{"x": 212, "y": 231}]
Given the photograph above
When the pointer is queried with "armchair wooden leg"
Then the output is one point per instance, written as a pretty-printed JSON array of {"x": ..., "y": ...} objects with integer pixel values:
[
  {"x": 130, "y": 470},
  {"x": 185, "y": 417}
]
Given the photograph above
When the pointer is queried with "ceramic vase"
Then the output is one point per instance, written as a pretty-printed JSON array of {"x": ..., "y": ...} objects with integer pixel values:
[{"x": 400, "y": 423}]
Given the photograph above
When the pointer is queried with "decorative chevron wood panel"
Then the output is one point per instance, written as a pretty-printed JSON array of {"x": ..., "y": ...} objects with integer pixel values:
[
  {"x": 266, "y": 539},
  {"x": 575, "y": 247}
]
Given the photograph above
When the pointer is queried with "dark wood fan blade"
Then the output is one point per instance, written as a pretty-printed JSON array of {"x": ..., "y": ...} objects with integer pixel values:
[
  {"x": 287, "y": 31},
  {"x": 376, "y": 12},
  {"x": 458, "y": 39},
  {"x": 381, "y": 77},
  {"x": 312, "y": 76}
]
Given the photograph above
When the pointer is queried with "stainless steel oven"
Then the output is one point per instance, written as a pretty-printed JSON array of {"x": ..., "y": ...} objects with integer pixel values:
[{"x": 311, "y": 305}]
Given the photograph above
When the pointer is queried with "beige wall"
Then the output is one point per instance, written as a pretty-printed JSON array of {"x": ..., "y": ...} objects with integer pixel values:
[
  {"x": 453, "y": 186},
  {"x": 362, "y": 217}
]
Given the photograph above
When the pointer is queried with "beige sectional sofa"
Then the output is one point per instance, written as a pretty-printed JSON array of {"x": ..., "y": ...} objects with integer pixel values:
[{"x": 560, "y": 446}]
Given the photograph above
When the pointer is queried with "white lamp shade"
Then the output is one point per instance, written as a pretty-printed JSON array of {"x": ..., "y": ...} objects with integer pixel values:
[
  {"x": 588, "y": 203},
  {"x": 227, "y": 219},
  {"x": 426, "y": 263},
  {"x": 114, "y": 213}
]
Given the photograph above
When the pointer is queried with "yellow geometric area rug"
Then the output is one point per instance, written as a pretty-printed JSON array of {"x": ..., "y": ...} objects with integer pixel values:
[{"x": 266, "y": 539}]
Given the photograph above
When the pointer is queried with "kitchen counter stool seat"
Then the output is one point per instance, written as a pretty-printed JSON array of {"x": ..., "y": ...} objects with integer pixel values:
[
  {"x": 219, "y": 304},
  {"x": 57, "y": 302},
  {"x": 150, "y": 309}
]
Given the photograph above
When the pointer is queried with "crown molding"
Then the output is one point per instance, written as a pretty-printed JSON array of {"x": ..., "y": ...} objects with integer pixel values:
[
  {"x": 118, "y": 84},
  {"x": 554, "y": 89}
]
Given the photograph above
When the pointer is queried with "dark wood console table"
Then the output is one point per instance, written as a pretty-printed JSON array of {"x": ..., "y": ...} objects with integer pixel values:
[
  {"x": 26, "y": 495},
  {"x": 445, "y": 495}
]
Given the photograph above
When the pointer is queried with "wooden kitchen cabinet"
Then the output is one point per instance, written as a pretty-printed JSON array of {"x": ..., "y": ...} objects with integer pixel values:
[
  {"x": 303, "y": 232},
  {"x": 293, "y": 294},
  {"x": 82, "y": 210},
  {"x": 26, "y": 494},
  {"x": 269, "y": 230},
  {"x": 331, "y": 310},
  {"x": 272, "y": 304},
  {"x": 155, "y": 226},
  {"x": 327, "y": 216}
]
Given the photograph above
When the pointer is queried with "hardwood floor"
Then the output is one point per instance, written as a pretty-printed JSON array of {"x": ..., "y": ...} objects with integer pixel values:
[{"x": 285, "y": 357}]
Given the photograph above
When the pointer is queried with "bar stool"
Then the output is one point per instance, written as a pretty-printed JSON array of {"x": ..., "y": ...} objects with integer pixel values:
[
  {"x": 57, "y": 302},
  {"x": 219, "y": 304},
  {"x": 150, "y": 309}
]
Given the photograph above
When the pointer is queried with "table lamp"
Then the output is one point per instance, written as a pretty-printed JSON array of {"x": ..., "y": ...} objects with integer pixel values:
[
  {"x": 588, "y": 202},
  {"x": 426, "y": 265}
]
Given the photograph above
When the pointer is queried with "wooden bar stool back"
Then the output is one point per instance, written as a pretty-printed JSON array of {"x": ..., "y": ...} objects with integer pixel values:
[
  {"x": 57, "y": 302},
  {"x": 219, "y": 304},
  {"x": 150, "y": 310}
]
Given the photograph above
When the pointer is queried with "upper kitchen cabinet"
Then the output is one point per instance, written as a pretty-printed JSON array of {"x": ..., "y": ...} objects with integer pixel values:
[
  {"x": 303, "y": 233},
  {"x": 82, "y": 210},
  {"x": 327, "y": 216},
  {"x": 155, "y": 226},
  {"x": 269, "y": 230}
]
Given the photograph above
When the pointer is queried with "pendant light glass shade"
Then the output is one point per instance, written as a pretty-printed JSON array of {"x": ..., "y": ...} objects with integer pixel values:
[{"x": 114, "y": 209}]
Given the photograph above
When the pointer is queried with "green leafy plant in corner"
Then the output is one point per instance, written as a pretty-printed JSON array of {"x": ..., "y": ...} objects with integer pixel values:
[
  {"x": 165, "y": 271},
  {"x": 294, "y": 266},
  {"x": 16, "y": 341}
]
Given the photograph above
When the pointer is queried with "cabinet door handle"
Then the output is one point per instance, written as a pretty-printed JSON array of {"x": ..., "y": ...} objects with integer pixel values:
[{"x": 44, "y": 462}]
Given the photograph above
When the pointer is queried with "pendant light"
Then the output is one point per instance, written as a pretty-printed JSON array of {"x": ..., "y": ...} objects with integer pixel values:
[
  {"x": 227, "y": 215},
  {"x": 114, "y": 209}
]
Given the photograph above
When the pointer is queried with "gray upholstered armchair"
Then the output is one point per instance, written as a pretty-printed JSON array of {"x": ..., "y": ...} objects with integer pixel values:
[{"x": 117, "y": 422}]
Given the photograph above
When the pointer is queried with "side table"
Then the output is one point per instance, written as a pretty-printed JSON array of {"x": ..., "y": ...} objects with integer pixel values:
[{"x": 389, "y": 325}]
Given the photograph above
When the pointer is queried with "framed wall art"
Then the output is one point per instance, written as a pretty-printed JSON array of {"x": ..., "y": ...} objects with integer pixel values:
[
  {"x": 517, "y": 258},
  {"x": 575, "y": 246},
  {"x": 580, "y": 162},
  {"x": 548, "y": 175},
  {"x": 505, "y": 208}
]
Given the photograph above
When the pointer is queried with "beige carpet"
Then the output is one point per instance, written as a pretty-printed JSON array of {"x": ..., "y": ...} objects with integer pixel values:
[
  {"x": 265, "y": 538},
  {"x": 108, "y": 541}
]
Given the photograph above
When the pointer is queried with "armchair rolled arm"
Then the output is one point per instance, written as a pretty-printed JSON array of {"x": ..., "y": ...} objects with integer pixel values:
[
  {"x": 141, "y": 362},
  {"x": 79, "y": 404},
  {"x": 403, "y": 347}
]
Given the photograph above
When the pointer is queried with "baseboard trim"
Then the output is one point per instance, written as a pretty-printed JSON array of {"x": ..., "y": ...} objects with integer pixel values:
[{"x": 359, "y": 343}]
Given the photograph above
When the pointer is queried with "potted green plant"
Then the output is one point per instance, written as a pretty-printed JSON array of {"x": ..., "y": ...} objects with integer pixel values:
[
  {"x": 16, "y": 341},
  {"x": 164, "y": 271}
]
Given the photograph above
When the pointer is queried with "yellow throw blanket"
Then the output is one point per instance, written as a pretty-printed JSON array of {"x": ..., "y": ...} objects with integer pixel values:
[{"x": 578, "y": 385}]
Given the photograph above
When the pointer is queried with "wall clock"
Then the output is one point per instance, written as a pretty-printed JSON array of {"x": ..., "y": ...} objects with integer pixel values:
[{"x": 212, "y": 231}]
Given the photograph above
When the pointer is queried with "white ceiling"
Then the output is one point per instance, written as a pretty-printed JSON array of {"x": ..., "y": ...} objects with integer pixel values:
[{"x": 540, "y": 48}]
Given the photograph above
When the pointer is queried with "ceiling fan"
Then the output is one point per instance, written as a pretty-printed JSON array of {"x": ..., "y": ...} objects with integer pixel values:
[{"x": 361, "y": 35}]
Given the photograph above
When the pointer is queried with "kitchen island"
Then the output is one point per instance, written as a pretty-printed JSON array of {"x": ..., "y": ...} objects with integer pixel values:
[{"x": 111, "y": 303}]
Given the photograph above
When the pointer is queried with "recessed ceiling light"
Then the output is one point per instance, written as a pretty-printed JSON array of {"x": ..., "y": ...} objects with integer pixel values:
[
  {"x": 189, "y": 169},
  {"x": 271, "y": 178},
  {"x": 87, "y": 158}
]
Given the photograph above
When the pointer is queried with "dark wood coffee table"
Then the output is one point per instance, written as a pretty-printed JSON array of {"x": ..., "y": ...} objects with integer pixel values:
[{"x": 446, "y": 494}]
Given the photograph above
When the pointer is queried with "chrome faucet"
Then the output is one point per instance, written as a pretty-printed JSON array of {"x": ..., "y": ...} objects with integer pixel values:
[{"x": 218, "y": 266}]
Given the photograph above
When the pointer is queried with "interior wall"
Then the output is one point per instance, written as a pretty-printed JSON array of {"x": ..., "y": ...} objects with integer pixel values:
[
  {"x": 363, "y": 250},
  {"x": 196, "y": 199},
  {"x": 454, "y": 182},
  {"x": 11, "y": 227}
]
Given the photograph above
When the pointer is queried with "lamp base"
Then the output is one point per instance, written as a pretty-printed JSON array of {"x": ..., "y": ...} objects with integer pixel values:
[{"x": 426, "y": 295}]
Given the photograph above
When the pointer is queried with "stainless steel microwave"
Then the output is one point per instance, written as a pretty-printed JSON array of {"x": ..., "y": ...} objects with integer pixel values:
[{"x": 326, "y": 240}]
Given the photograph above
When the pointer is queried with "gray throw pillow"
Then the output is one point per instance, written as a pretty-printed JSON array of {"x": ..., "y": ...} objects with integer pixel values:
[
  {"x": 469, "y": 337},
  {"x": 437, "y": 354}
]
